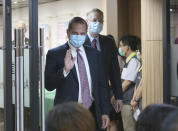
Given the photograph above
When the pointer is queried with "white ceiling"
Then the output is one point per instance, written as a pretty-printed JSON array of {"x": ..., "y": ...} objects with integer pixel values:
[{"x": 24, "y": 3}]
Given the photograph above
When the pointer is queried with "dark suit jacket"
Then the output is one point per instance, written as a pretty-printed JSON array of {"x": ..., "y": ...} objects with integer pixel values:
[
  {"x": 67, "y": 88},
  {"x": 110, "y": 62}
]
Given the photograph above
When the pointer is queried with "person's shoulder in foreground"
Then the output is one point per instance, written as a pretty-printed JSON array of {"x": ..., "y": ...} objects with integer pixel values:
[{"x": 152, "y": 117}]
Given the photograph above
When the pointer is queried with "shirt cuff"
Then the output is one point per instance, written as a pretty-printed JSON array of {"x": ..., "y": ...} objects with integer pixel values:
[{"x": 65, "y": 73}]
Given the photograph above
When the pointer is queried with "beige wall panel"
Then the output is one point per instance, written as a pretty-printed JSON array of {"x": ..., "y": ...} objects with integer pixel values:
[
  {"x": 129, "y": 17},
  {"x": 112, "y": 18},
  {"x": 135, "y": 17},
  {"x": 123, "y": 19},
  {"x": 152, "y": 72},
  {"x": 151, "y": 12},
  {"x": 152, "y": 51}
]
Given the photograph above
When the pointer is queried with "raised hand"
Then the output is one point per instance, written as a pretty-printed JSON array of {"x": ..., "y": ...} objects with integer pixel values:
[{"x": 68, "y": 61}]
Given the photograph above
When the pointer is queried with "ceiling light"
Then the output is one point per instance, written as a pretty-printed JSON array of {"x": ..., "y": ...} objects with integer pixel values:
[
  {"x": 171, "y": 10},
  {"x": 15, "y": 2}
]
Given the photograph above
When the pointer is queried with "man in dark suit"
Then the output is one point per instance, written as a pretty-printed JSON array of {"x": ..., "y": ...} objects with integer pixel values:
[
  {"x": 76, "y": 72},
  {"x": 108, "y": 50}
]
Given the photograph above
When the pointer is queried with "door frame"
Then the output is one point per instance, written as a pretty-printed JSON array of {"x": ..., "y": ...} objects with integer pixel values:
[
  {"x": 7, "y": 54},
  {"x": 166, "y": 53},
  {"x": 34, "y": 63}
]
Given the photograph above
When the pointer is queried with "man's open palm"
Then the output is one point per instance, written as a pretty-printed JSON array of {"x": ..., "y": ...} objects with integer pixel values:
[{"x": 68, "y": 61}]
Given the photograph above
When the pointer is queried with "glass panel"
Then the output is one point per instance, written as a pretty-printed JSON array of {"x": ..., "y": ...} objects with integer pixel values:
[
  {"x": 20, "y": 19},
  {"x": 174, "y": 49},
  {"x": 1, "y": 89},
  {"x": 174, "y": 21},
  {"x": 1, "y": 71}
]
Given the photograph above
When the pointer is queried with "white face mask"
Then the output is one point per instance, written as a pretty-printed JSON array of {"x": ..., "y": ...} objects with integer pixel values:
[{"x": 95, "y": 27}]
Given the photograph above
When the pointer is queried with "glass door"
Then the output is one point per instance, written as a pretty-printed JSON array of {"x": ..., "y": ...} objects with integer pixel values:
[
  {"x": 174, "y": 48},
  {"x": 19, "y": 65},
  {"x": 170, "y": 46}
]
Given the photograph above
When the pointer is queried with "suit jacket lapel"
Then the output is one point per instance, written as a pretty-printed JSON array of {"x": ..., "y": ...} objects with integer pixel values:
[
  {"x": 87, "y": 41},
  {"x": 74, "y": 72},
  {"x": 101, "y": 42}
]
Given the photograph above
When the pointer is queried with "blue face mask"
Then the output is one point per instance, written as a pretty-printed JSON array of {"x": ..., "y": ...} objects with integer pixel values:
[
  {"x": 77, "y": 40},
  {"x": 95, "y": 27},
  {"x": 121, "y": 52}
]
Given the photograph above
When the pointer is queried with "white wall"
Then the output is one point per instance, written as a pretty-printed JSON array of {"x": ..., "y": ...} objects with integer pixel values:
[
  {"x": 63, "y": 11},
  {"x": 59, "y": 12}
]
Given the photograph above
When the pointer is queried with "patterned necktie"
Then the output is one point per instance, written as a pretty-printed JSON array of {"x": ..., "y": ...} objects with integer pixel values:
[
  {"x": 94, "y": 43},
  {"x": 85, "y": 92}
]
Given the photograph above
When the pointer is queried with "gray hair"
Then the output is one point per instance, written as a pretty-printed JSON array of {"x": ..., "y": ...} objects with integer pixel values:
[{"x": 95, "y": 10}]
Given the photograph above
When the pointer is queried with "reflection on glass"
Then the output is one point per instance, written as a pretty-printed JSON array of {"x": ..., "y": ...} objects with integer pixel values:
[
  {"x": 20, "y": 20},
  {"x": 174, "y": 47},
  {"x": 1, "y": 73},
  {"x": 174, "y": 21},
  {"x": 1, "y": 91}
]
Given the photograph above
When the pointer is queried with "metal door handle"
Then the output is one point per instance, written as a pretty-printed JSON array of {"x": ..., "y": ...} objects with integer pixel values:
[
  {"x": 177, "y": 70},
  {"x": 42, "y": 90},
  {"x": 19, "y": 43}
]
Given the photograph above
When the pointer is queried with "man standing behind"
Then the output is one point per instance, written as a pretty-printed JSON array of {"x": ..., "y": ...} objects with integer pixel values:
[
  {"x": 76, "y": 72},
  {"x": 108, "y": 50}
]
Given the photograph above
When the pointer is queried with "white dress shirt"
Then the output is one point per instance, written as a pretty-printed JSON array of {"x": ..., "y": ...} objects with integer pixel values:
[
  {"x": 130, "y": 73},
  {"x": 83, "y": 54},
  {"x": 97, "y": 41}
]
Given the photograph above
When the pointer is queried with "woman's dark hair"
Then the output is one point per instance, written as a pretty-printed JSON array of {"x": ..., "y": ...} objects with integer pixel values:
[
  {"x": 70, "y": 117},
  {"x": 171, "y": 122},
  {"x": 130, "y": 40},
  {"x": 152, "y": 117},
  {"x": 78, "y": 20},
  {"x": 110, "y": 36},
  {"x": 138, "y": 42}
]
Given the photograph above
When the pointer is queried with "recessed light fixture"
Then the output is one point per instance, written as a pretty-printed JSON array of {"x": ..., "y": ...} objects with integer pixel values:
[
  {"x": 171, "y": 10},
  {"x": 15, "y": 2}
]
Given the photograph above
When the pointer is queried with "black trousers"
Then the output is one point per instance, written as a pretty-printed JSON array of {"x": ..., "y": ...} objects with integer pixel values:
[{"x": 92, "y": 110}]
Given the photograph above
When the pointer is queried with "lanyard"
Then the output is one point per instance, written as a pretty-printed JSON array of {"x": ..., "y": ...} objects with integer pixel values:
[
  {"x": 130, "y": 57},
  {"x": 140, "y": 69}
]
